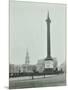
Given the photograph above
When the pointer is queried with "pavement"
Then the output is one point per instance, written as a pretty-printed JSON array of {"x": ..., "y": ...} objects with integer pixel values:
[{"x": 37, "y": 81}]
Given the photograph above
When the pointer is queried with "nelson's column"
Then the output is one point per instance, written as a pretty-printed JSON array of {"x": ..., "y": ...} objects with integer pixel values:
[{"x": 49, "y": 61}]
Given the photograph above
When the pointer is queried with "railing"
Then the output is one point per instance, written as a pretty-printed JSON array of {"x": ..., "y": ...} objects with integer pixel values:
[{"x": 32, "y": 74}]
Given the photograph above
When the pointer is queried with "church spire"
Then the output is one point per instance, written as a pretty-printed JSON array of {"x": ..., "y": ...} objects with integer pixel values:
[{"x": 27, "y": 57}]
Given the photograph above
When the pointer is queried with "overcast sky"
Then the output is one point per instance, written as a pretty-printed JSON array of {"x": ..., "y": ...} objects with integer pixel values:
[{"x": 28, "y": 29}]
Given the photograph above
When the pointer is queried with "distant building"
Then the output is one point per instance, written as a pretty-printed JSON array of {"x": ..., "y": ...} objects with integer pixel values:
[
  {"x": 62, "y": 67},
  {"x": 13, "y": 68},
  {"x": 16, "y": 68},
  {"x": 21, "y": 68},
  {"x": 40, "y": 66},
  {"x": 55, "y": 63},
  {"x": 28, "y": 68}
]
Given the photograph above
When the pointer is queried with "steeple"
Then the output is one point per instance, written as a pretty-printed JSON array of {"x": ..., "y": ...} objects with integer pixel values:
[{"x": 27, "y": 58}]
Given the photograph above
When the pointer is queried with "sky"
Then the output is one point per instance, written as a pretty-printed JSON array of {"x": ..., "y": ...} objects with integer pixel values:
[{"x": 28, "y": 29}]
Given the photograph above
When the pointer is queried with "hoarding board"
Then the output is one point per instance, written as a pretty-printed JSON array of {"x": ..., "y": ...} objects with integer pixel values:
[{"x": 49, "y": 64}]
